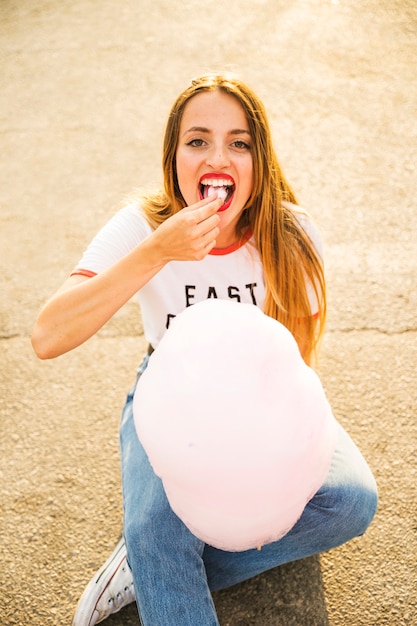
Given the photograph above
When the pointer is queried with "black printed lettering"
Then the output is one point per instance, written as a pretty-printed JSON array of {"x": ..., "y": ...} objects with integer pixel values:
[
  {"x": 211, "y": 293},
  {"x": 189, "y": 295},
  {"x": 170, "y": 317},
  {"x": 233, "y": 293},
  {"x": 251, "y": 287}
]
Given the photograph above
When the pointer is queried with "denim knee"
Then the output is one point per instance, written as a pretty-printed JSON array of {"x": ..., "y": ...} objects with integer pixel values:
[
  {"x": 346, "y": 511},
  {"x": 365, "y": 509}
]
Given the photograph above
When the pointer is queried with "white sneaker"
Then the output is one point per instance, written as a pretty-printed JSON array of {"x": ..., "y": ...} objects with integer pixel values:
[{"x": 110, "y": 589}]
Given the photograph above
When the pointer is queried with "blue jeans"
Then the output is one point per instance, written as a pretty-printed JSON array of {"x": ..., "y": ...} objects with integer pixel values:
[{"x": 174, "y": 572}]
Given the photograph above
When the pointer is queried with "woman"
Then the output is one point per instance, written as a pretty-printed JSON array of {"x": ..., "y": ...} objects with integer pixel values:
[{"x": 225, "y": 225}]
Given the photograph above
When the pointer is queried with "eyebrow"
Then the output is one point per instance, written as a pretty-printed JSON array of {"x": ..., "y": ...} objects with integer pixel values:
[{"x": 203, "y": 129}]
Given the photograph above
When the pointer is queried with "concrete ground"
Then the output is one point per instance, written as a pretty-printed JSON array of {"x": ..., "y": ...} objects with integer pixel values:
[{"x": 85, "y": 89}]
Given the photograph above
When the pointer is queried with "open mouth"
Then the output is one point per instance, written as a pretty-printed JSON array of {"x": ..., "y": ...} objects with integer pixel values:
[{"x": 222, "y": 185}]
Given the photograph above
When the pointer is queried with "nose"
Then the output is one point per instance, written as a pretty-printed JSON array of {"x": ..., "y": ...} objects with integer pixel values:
[{"x": 218, "y": 157}]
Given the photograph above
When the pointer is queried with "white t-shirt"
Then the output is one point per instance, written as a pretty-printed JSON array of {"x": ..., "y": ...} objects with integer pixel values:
[{"x": 232, "y": 273}]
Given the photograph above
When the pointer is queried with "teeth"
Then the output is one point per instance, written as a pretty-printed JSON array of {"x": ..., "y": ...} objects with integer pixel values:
[
  {"x": 221, "y": 186},
  {"x": 217, "y": 182}
]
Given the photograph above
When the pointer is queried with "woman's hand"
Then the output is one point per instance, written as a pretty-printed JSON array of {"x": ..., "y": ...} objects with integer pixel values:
[{"x": 190, "y": 234}]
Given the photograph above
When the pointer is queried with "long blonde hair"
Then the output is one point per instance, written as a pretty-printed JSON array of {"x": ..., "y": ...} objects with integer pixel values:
[{"x": 288, "y": 256}]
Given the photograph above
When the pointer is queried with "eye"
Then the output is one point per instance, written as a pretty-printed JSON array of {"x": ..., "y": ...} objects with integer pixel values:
[
  {"x": 241, "y": 145},
  {"x": 196, "y": 143}
]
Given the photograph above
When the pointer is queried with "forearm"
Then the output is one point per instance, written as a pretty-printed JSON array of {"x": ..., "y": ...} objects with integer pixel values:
[
  {"x": 83, "y": 305},
  {"x": 80, "y": 308}
]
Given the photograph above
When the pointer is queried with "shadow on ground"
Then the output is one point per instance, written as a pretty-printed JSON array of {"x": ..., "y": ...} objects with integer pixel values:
[{"x": 287, "y": 596}]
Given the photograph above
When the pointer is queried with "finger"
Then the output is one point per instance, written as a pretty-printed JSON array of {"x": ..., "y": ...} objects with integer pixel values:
[
  {"x": 210, "y": 237},
  {"x": 209, "y": 212},
  {"x": 207, "y": 243},
  {"x": 210, "y": 204},
  {"x": 208, "y": 225}
]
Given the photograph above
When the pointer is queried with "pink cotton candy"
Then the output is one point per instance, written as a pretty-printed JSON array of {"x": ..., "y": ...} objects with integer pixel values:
[
  {"x": 235, "y": 423},
  {"x": 221, "y": 192}
]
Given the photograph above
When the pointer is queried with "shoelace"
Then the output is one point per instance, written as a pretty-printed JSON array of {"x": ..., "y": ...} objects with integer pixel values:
[{"x": 116, "y": 601}]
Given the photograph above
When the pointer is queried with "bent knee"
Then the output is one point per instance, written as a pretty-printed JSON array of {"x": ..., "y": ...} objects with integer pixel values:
[
  {"x": 355, "y": 510},
  {"x": 365, "y": 509},
  {"x": 346, "y": 510}
]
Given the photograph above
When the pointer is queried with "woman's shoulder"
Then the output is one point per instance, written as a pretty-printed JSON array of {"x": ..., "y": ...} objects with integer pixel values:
[
  {"x": 132, "y": 210},
  {"x": 307, "y": 223},
  {"x": 131, "y": 215},
  {"x": 302, "y": 215},
  {"x": 124, "y": 229}
]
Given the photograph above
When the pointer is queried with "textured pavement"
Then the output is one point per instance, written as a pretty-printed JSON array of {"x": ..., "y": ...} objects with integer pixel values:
[{"x": 85, "y": 87}]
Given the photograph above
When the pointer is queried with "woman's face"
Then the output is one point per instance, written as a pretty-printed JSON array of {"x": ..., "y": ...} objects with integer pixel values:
[{"x": 214, "y": 153}]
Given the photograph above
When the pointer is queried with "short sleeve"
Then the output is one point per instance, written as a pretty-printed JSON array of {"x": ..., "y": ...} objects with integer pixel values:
[{"x": 122, "y": 233}]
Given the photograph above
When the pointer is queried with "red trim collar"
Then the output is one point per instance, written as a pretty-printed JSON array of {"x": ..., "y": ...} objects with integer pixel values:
[{"x": 235, "y": 246}]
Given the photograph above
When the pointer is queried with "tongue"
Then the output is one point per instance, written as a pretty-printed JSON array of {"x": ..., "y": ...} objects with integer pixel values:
[{"x": 221, "y": 192}]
